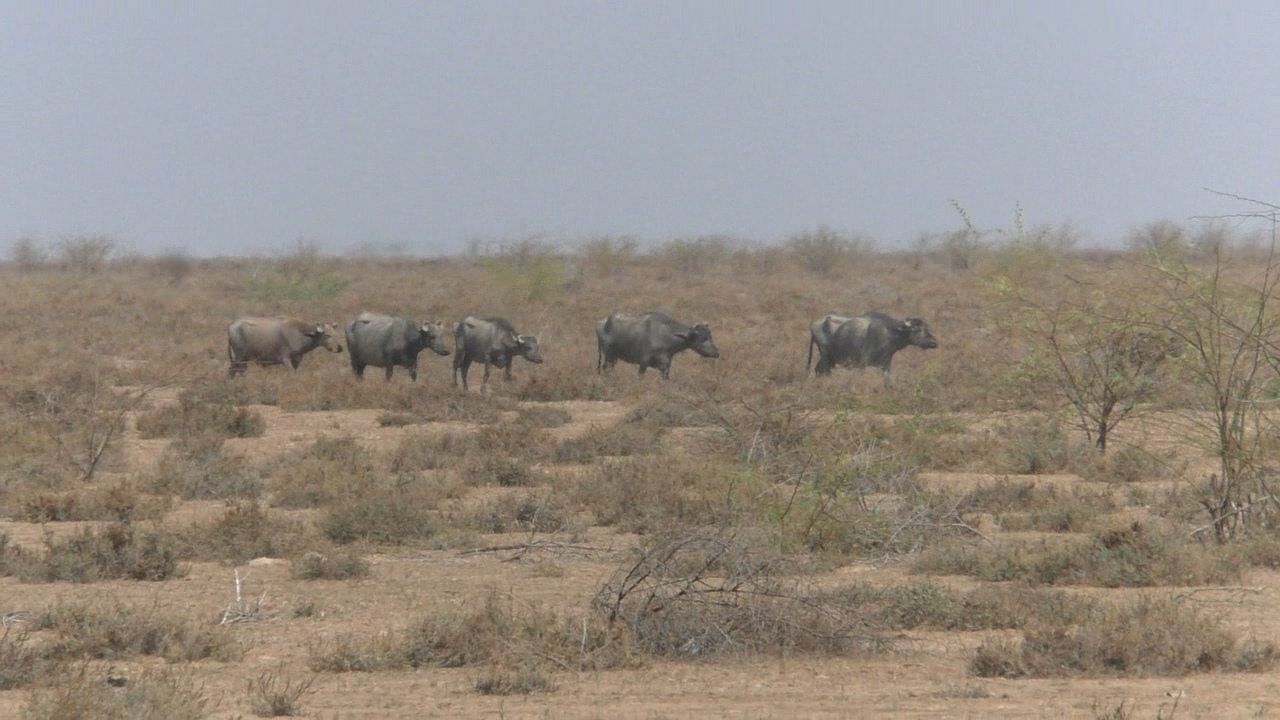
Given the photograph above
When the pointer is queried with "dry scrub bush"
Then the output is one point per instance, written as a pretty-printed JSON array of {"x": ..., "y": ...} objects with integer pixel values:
[
  {"x": 195, "y": 467},
  {"x": 555, "y": 384},
  {"x": 927, "y": 605},
  {"x": 244, "y": 532},
  {"x": 155, "y": 694},
  {"x": 120, "y": 501},
  {"x": 271, "y": 695},
  {"x": 826, "y": 252},
  {"x": 22, "y": 661},
  {"x": 79, "y": 631},
  {"x": 86, "y": 254},
  {"x": 315, "y": 566},
  {"x": 1146, "y": 637},
  {"x": 1016, "y": 505},
  {"x": 28, "y": 254},
  {"x": 526, "y": 512},
  {"x": 495, "y": 633},
  {"x": 525, "y": 679},
  {"x": 619, "y": 440},
  {"x": 1134, "y": 556},
  {"x": 502, "y": 455},
  {"x": 714, "y": 593},
  {"x": 384, "y": 513},
  {"x": 198, "y": 414},
  {"x": 117, "y": 551},
  {"x": 324, "y": 472},
  {"x": 607, "y": 257},
  {"x": 73, "y": 413},
  {"x": 645, "y": 495}
]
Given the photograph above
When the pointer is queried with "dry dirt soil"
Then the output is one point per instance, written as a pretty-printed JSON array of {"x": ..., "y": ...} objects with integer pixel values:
[{"x": 926, "y": 676}]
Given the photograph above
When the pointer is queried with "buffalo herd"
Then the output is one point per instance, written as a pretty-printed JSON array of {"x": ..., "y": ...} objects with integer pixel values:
[{"x": 647, "y": 341}]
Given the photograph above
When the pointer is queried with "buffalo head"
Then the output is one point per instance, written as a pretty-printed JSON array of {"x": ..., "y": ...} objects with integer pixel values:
[
  {"x": 917, "y": 333},
  {"x": 528, "y": 347},
  {"x": 433, "y": 337},
  {"x": 325, "y": 336},
  {"x": 699, "y": 339}
]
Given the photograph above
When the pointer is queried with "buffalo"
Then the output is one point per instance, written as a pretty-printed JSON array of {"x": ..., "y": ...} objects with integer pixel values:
[
  {"x": 868, "y": 340},
  {"x": 275, "y": 341},
  {"x": 390, "y": 341},
  {"x": 649, "y": 340},
  {"x": 493, "y": 342}
]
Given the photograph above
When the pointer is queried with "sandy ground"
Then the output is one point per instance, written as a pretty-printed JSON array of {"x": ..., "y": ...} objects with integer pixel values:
[{"x": 925, "y": 677}]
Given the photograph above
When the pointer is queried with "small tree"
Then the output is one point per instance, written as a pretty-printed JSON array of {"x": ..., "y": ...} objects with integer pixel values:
[
  {"x": 86, "y": 253},
  {"x": 1094, "y": 348},
  {"x": 28, "y": 253},
  {"x": 1224, "y": 320},
  {"x": 1221, "y": 314}
]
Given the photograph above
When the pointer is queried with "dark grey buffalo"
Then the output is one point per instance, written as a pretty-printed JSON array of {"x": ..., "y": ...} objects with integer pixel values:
[
  {"x": 276, "y": 341},
  {"x": 649, "y": 340},
  {"x": 390, "y": 341},
  {"x": 868, "y": 340},
  {"x": 493, "y": 342}
]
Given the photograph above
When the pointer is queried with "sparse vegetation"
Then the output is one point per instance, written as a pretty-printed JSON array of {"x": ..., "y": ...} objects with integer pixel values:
[{"x": 740, "y": 510}]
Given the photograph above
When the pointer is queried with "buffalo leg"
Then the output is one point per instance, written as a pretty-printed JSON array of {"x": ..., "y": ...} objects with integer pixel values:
[
  {"x": 389, "y": 369},
  {"x": 357, "y": 367},
  {"x": 462, "y": 367}
]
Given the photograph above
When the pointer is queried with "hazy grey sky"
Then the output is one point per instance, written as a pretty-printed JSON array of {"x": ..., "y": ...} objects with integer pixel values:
[{"x": 238, "y": 127}]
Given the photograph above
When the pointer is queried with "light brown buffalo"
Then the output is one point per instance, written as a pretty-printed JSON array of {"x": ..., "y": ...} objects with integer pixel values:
[{"x": 276, "y": 341}]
